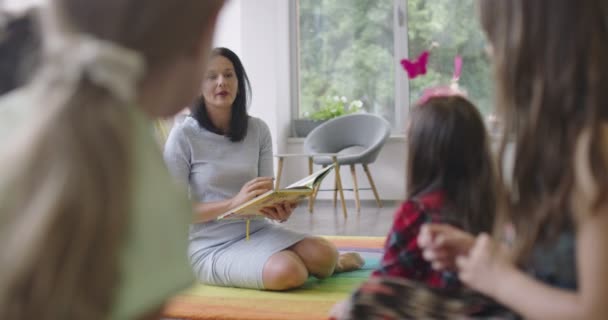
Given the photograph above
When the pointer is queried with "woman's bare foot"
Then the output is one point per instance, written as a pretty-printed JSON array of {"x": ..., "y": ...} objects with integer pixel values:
[{"x": 349, "y": 261}]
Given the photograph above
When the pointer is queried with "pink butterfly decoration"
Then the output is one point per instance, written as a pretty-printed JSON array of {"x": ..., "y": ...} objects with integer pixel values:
[{"x": 417, "y": 67}]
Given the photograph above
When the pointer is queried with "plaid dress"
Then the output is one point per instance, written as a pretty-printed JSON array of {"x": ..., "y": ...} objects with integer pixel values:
[
  {"x": 403, "y": 257},
  {"x": 405, "y": 286}
]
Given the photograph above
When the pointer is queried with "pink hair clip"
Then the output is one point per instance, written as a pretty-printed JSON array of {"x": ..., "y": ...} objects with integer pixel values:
[{"x": 445, "y": 91}]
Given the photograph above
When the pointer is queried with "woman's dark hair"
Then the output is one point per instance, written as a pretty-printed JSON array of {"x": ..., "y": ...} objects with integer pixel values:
[
  {"x": 551, "y": 68},
  {"x": 448, "y": 149},
  {"x": 239, "y": 118},
  {"x": 19, "y": 51}
]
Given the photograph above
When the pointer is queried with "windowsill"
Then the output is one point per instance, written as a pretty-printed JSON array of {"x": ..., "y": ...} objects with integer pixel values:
[
  {"x": 397, "y": 137},
  {"x": 393, "y": 138}
]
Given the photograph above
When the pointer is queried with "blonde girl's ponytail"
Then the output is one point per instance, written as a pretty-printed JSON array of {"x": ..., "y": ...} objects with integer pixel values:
[{"x": 65, "y": 197}]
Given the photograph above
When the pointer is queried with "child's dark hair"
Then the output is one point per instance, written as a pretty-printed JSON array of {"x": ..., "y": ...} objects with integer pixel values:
[
  {"x": 448, "y": 149},
  {"x": 239, "y": 118}
]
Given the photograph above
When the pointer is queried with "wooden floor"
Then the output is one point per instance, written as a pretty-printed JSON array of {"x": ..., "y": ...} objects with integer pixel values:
[{"x": 327, "y": 220}]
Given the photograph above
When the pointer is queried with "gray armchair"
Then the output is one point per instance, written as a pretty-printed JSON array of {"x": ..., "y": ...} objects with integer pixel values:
[{"x": 347, "y": 140}]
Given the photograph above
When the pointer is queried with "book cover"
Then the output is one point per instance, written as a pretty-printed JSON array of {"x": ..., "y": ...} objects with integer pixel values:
[{"x": 293, "y": 193}]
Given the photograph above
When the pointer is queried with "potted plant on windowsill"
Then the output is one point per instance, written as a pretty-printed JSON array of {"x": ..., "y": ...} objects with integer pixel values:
[{"x": 331, "y": 107}]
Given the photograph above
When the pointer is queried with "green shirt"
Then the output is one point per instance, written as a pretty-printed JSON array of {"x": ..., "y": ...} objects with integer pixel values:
[{"x": 154, "y": 262}]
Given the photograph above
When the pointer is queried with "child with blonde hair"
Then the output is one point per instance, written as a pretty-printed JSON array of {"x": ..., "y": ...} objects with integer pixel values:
[{"x": 91, "y": 226}]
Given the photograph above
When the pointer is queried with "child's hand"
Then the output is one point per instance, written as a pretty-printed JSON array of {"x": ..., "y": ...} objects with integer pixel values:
[
  {"x": 339, "y": 310},
  {"x": 487, "y": 262},
  {"x": 442, "y": 243},
  {"x": 252, "y": 189},
  {"x": 280, "y": 212}
]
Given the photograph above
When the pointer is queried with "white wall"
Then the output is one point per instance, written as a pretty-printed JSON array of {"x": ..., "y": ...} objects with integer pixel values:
[
  {"x": 228, "y": 29},
  {"x": 259, "y": 32}
]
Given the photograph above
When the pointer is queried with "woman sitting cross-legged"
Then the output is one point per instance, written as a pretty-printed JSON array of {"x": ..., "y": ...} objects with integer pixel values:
[{"x": 225, "y": 157}]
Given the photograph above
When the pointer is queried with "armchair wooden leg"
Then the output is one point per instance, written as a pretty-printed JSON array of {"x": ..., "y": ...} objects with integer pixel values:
[
  {"x": 315, "y": 193},
  {"x": 335, "y": 202},
  {"x": 311, "y": 199},
  {"x": 335, "y": 198},
  {"x": 279, "y": 172},
  {"x": 356, "y": 187},
  {"x": 371, "y": 182},
  {"x": 339, "y": 182}
]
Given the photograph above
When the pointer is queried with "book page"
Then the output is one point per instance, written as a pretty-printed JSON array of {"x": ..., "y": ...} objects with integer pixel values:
[
  {"x": 294, "y": 193},
  {"x": 312, "y": 180},
  {"x": 253, "y": 207}
]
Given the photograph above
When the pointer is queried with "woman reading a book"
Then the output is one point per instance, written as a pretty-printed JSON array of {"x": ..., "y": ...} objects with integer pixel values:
[{"x": 225, "y": 157}]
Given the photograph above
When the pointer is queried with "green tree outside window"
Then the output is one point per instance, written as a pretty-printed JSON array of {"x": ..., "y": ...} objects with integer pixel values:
[{"x": 346, "y": 48}]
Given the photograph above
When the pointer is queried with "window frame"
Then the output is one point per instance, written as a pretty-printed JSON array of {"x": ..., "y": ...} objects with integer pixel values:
[{"x": 400, "y": 51}]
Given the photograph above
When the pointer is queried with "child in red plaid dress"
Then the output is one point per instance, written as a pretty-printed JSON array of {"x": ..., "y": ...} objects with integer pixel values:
[{"x": 450, "y": 179}]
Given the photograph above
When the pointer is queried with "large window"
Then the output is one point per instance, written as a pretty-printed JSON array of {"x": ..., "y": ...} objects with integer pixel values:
[{"x": 352, "y": 49}]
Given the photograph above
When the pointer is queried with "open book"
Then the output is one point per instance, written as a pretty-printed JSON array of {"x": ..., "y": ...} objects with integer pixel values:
[{"x": 290, "y": 194}]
